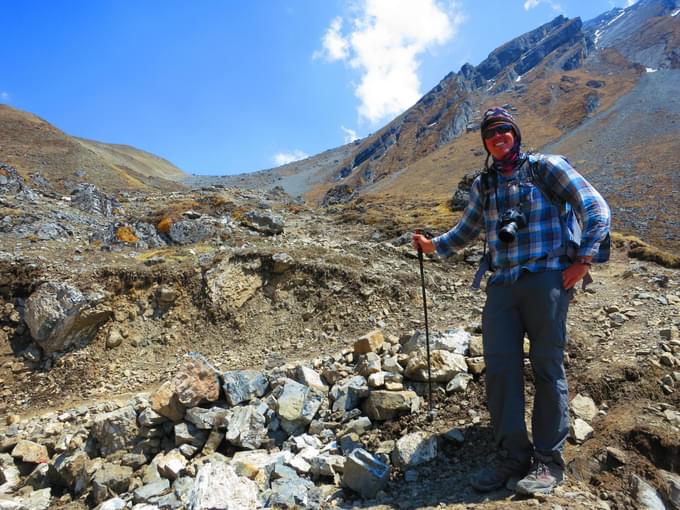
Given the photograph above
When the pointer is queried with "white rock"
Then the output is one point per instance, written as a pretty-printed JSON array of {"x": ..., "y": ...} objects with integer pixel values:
[
  {"x": 414, "y": 449},
  {"x": 581, "y": 431},
  {"x": 217, "y": 486},
  {"x": 583, "y": 407},
  {"x": 376, "y": 380},
  {"x": 647, "y": 496},
  {"x": 452, "y": 340},
  {"x": 459, "y": 383},
  {"x": 300, "y": 464},
  {"x": 444, "y": 366}
]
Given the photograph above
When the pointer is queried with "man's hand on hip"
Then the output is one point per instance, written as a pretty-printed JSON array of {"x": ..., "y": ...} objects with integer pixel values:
[{"x": 575, "y": 273}]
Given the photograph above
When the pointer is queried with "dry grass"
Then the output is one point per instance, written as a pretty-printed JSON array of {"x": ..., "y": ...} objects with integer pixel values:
[
  {"x": 395, "y": 217},
  {"x": 638, "y": 249},
  {"x": 126, "y": 235},
  {"x": 212, "y": 205}
]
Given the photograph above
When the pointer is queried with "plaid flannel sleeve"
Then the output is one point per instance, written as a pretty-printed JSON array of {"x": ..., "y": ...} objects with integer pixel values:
[
  {"x": 584, "y": 198},
  {"x": 467, "y": 228}
]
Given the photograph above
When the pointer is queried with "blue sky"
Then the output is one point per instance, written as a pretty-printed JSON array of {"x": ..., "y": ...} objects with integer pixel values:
[{"x": 224, "y": 87}]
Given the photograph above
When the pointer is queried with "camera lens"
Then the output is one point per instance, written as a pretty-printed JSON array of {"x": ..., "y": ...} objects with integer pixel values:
[{"x": 508, "y": 233}]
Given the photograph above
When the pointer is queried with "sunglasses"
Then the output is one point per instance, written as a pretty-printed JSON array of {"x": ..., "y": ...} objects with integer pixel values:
[{"x": 500, "y": 130}]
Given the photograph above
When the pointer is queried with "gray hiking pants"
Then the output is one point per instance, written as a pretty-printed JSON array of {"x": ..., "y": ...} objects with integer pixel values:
[{"x": 535, "y": 304}]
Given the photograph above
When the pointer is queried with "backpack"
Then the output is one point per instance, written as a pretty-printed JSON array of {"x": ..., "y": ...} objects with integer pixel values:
[{"x": 570, "y": 224}]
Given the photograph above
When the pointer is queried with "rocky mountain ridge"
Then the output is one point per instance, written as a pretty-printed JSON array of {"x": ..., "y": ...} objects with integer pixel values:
[
  {"x": 557, "y": 78},
  {"x": 37, "y": 149}
]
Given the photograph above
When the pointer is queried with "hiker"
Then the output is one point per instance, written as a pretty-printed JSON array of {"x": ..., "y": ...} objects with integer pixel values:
[{"x": 528, "y": 205}]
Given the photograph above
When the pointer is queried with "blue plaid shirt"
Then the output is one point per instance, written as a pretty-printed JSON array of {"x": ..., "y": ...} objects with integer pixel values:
[{"x": 539, "y": 246}]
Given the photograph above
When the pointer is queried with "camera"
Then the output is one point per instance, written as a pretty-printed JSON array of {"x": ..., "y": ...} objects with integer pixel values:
[{"x": 510, "y": 222}]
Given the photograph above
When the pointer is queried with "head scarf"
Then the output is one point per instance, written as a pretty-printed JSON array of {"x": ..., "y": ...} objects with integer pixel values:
[{"x": 498, "y": 115}]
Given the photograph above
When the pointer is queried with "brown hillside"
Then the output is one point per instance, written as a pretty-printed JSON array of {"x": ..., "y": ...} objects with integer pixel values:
[{"x": 32, "y": 145}]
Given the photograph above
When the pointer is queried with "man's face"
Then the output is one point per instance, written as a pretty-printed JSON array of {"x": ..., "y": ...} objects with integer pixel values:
[{"x": 499, "y": 140}]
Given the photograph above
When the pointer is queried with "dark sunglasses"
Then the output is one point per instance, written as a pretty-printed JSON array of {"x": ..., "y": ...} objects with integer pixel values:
[{"x": 492, "y": 131}]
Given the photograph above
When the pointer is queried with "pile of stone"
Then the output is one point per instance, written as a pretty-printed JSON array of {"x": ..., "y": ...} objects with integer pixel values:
[
  {"x": 10, "y": 180},
  {"x": 87, "y": 197},
  {"x": 286, "y": 438}
]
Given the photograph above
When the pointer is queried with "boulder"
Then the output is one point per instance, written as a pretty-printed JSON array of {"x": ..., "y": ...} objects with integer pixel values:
[
  {"x": 340, "y": 194},
  {"x": 455, "y": 340},
  {"x": 583, "y": 407},
  {"x": 243, "y": 385},
  {"x": 115, "y": 430},
  {"x": 673, "y": 485},
  {"x": 290, "y": 492},
  {"x": 347, "y": 393},
  {"x": 72, "y": 470},
  {"x": 459, "y": 383},
  {"x": 10, "y": 478},
  {"x": 368, "y": 364},
  {"x": 192, "y": 231},
  {"x": 165, "y": 402},
  {"x": 310, "y": 378},
  {"x": 281, "y": 262},
  {"x": 385, "y": 405},
  {"x": 580, "y": 431},
  {"x": 10, "y": 180},
  {"x": 365, "y": 473},
  {"x": 187, "y": 434},
  {"x": 246, "y": 428},
  {"x": 150, "y": 492},
  {"x": 206, "y": 419},
  {"x": 414, "y": 449},
  {"x": 171, "y": 465},
  {"x": 296, "y": 406},
  {"x": 217, "y": 486},
  {"x": 110, "y": 477},
  {"x": 88, "y": 198},
  {"x": 28, "y": 451},
  {"x": 370, "y": 342},
  {"x": 58, "y": 316},
  {"x": 445, "y": 366},
  {"x": 196, "y": 382},
  {"x": 264, "y": 222},
  {"x": 646, "y": 496}
]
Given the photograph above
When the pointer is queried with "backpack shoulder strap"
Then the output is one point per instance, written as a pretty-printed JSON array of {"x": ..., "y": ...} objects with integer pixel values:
[
  {"x": 488, "y": 183},
  {"x": 537, "y": 170}
]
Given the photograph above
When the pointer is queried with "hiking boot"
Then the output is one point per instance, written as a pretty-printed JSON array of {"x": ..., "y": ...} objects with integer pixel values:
[
  {"x": 492, "y": 478},
  {"x": 542, "y": 478}
]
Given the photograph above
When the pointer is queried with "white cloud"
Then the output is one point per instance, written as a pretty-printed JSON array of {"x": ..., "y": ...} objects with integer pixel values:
[
  {"x": 283, "y": 158},
  {"x": 530, "y": 4},
  {"x": 384, "y": 42},
  {"x": 350, "y": 134},
  {"x": 630, "y": 2},
  {"x": 4, "y": 97},
  {"x": 335, "y": 47}
]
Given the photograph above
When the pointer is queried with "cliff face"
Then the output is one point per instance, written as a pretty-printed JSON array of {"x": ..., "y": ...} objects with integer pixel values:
[
  {"x": 525, "y": 52},
  {"x": 450, "y": 109},
  {"x": 646, "y": 33},
  {"x": 555, "y": 78}
]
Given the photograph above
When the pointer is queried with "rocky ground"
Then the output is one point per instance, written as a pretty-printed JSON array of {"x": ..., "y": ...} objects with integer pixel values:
[{"x": 311, "y": 365}]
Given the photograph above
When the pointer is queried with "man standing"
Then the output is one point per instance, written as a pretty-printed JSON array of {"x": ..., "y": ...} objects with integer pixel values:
[{"x": 526, "y": 203}]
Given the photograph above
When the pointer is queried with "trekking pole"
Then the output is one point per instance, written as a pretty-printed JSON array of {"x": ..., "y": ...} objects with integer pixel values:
[{"x": 430, "y": 412}]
